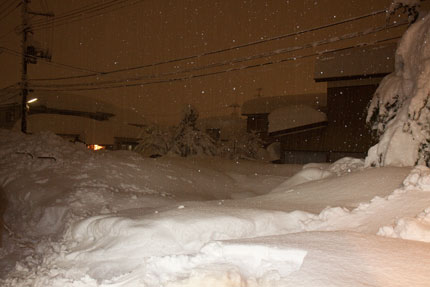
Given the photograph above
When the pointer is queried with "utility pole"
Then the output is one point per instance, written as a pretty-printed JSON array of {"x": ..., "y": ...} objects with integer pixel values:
[
  {"x": 30, "y": 54},
  {"x": 24, "y": 84}
]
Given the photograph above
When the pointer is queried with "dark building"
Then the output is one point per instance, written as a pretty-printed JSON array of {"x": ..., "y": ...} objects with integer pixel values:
[
  {"x": 257, "y": 111},
  {"x": 352, "y": 78}
]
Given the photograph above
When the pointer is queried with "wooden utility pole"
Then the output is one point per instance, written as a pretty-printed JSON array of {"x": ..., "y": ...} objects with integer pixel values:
[
  {"x": 24, "y": 84},
  {"x": 29, "y": 56}
]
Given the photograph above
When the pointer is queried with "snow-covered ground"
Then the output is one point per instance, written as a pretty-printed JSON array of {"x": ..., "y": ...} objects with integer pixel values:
[{"x": 81, "y": 218}]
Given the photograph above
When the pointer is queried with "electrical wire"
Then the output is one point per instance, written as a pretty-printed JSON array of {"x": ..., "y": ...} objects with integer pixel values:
[
  {"x": 79, "y": 11},
  {"x": 81, "y": 14},
  {"x": 9, "y": 98},
  {"x": 16, "y": 53},
  {"x": 279, "y": 37},
  {"x": 9, "y": 9},
  {"x": 260, "y": 65},
  {"x": 7, "y": 34},
  {"x": 9, "y": 92},
  {"x": 277, "y": 52}
]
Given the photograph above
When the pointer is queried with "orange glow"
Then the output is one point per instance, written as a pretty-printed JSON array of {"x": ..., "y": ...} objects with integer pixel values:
[{"x": 95, "y": 147}]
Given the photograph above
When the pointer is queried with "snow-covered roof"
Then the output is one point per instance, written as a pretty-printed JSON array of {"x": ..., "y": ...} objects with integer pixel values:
[
  {"x": 356, "y": 62},
  {"x": 294, "y": 116},
  {"x": 89, "y": 130},
  {"x": 266, "y": 105},
  {"x": 228, "y": 125}
]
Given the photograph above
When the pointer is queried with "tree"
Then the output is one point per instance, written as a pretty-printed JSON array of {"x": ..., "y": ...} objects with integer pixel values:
[
  {"x": 411, "y": 7},
  {"x": 155, "y": 142},
  {"x": 400, "y": 109},
  {"x": 188, "y": 139},
  {"x": 245, "y": 145}
]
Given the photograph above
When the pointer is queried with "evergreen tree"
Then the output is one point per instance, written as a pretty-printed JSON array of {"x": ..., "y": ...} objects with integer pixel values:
[
  {"x": 400, "y": 109},
  {"x": 155, "y": 142},
  {"x": 188, "y": 139}
]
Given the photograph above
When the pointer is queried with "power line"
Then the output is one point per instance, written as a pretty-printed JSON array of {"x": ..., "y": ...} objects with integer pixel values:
[
  {"x": 8, "y": 10},
  {"x": 9, "y": 92},
  {"x": 16, "y": 53},
  {"x": 229, "y": 70},
  {"x": 238, "y": 60},
  {"x": 7, "y": 34},
  {"x": 275, "y": 38},
  {"x": 10, "y": 98},
  {"x": 84, "y": 13},
  {"x": 4, "y": 3},
  {"x": 79, "y": 11},
  {"x": 10, "y": 86}
]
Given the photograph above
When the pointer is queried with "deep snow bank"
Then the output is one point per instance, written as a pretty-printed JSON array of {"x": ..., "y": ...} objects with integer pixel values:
[
  {"x": 125, "y": 226},
  {"x": 417, "y": 227}
]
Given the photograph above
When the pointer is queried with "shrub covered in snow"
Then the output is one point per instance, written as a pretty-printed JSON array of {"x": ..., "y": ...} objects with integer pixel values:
[
  {"x": 155, "y": 141},
  {"x": 244, "y": 145},
  {"x": 400, "y": 109},
  {"x": 188, "y": 139}
]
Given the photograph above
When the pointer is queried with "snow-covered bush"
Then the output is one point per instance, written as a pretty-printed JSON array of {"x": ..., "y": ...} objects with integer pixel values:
[
  {"x": 155, "y": 142},
  {"x": 400, "y": 109},
  {"x": 188, "y": 139},
  {"x": 243, "y": 145}
]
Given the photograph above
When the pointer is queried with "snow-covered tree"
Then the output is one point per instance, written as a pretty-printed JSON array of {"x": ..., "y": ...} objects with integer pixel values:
[
  {"x": 411, "y": 7},
  {"x": 155, "y": 142},
  {"x": 400, "y": 109},
  {"x": 188, "y": 139},
  {"x": 243, "y": 145}
]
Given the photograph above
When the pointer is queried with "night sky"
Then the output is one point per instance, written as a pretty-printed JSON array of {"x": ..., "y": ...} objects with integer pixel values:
[{"x": 152, "y": 31}]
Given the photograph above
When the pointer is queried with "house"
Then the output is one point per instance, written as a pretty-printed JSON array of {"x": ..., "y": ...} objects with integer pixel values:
[
  {"x": 76, "y": 118},
  {"x": 301, "y": 131},
  {"x": 222, "y": 128},
  {"x": 352, "y": 77},
  {"x": 257, "y": 110}
]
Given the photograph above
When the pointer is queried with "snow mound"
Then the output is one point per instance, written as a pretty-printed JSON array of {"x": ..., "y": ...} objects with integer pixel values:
[
  {"x": 228, "y": 264},
  {"x": 303, "y": 176},
  {"x": 418, "y": 179},
  {"x": 173, "y": 232},
  {"x": 417, "y": 228},
  {"x": 311, "y": 172},
  {"x": 43, "y": 146},
  {"x": 346, "y": 165}
]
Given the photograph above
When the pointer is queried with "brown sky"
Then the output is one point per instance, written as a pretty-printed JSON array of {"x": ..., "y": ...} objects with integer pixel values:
[{"x": 159, "y": 30}]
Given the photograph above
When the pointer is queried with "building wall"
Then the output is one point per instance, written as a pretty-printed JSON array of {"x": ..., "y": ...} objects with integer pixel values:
[
  {"x": 346, "y": 134},
  {"x": 258, "y": 123},
  {"x": 347, "y": 131},
  {"x": 312, "y": 140},
  {"x": 304, "y": 147}
]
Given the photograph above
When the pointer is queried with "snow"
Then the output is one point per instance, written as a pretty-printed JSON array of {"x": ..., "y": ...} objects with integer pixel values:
[
  {"x": 266, "y": 105},
  {"x": 80, "y": 218},
  {"x": 399, "y": 110},
  {"x": 228, "y": 126},
  {"x": 293, "y": 116}
]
